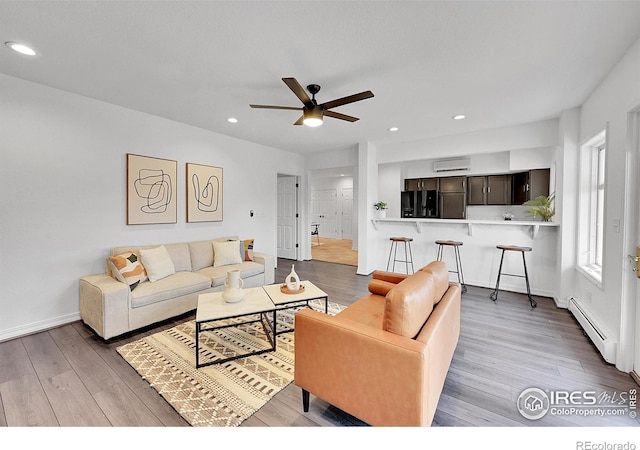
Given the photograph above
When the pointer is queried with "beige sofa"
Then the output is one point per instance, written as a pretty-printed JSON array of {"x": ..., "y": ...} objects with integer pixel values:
[
  {"x": 384, "y": 359},
  {"x": 111, "y": 307}
]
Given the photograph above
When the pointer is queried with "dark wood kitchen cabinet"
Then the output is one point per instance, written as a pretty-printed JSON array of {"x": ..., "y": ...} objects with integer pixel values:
[
  {"x": 477, "y": 187},
  {"x": 453, "y": 184},
  {"x": 421, "y": 184},
  {"x": 529, "y": 185},
  {"x": 489, "y": 190}
]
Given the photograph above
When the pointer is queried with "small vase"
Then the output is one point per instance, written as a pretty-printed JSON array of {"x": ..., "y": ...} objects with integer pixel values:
[
  {"x": 382, "y": 214},
  {"x": 233, "y": 292},
  {"x": 292, "y": 281}
]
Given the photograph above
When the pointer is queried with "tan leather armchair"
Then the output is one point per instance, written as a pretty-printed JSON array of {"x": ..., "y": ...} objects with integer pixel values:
[{"x": 384, "y": 359}]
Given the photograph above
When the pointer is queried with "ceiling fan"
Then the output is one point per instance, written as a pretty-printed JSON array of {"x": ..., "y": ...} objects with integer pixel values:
[{"x": 312, "y": 112}]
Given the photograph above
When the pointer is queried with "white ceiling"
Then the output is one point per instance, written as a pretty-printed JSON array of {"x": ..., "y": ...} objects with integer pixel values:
[{"x": 499, "y": 62}]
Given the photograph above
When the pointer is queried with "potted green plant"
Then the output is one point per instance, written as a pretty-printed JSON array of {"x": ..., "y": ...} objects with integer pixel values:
[
  {"x": 542, "y": 207},
  {"x": 381, "y": 207}
]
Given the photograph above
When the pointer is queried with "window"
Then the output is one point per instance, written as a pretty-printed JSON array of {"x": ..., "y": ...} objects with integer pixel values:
[{"x": 591, "y": 207}]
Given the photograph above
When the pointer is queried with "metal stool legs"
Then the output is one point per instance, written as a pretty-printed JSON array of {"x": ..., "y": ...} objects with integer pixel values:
[
  {"x": 456, "y": 253},
  {"x": 408, "y": 255},
  {"x": 494, "y": 294}
]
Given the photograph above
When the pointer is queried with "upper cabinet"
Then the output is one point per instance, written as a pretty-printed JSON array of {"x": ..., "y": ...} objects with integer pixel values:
[
  {"x": 489, "y": 190},
  {"x": 529, "y": 185},
  {"x": 421, "y": 184},
  {"x": 453, "y": 184}
]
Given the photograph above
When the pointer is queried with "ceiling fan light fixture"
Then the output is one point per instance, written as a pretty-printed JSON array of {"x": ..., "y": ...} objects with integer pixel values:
[{"x": 312, "y": 117}]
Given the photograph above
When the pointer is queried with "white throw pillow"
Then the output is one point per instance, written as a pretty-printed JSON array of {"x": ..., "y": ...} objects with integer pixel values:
[
  {"x": 225, "y": 253},
  {"x": 157, "y": 263}
]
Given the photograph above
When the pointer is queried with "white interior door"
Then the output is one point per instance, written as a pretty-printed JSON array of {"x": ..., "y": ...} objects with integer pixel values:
[
  {"x": 346, "y": 216},
  {"x": 286, "y": 221},
  {"x": 324, "y": 210},
  {"x": 634, "y": 210}
]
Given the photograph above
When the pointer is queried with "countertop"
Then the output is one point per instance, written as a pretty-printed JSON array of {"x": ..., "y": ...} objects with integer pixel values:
[{"x": 420, "y": 222}]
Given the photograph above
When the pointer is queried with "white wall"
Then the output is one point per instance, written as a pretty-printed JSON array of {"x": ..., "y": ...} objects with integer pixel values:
[
  {"x": 62, "y": 177},
  {"x": 526, "y": 136},
  {"x": 608, "y": 107}
]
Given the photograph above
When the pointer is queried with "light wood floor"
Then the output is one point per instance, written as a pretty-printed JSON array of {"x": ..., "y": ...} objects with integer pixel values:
[
  {"x": 68, "y": 377},
  {"x": 334, "y": 250}
]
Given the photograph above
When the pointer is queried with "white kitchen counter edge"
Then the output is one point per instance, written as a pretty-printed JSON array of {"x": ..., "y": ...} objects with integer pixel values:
[{"x": 418, "y": 223}]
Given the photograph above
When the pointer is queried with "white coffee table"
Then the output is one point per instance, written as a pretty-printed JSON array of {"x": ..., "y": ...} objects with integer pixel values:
[
  {"x": 212, "y": 308},
  {"x": 284, "y": 301}
]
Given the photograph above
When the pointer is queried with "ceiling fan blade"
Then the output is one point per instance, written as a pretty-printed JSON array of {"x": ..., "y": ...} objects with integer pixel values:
[
  {"x": 276, "y": 107},
  {"x": 299, "y": 121},
  {"x": 337, "y": 115},
  {"x": 299, "y": 91},
  {"x": 349, "y": 99}
]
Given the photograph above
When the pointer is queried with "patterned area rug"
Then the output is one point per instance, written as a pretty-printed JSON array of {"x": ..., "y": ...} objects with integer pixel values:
[{"x": 221, "y": 395}]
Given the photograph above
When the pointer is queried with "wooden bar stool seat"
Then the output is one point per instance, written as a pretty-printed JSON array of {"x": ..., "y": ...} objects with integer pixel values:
[
  {"x": 456, "y": 253},
  {"x": 522, "y": 250},
  {"x": 408, "y": 256}
]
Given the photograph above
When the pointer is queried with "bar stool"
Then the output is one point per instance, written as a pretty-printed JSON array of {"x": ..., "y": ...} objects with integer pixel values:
[
  {"x": 456, "y": 253},
  {"x": 522, "y": 250},
  {"x": 408, "y": 256}
]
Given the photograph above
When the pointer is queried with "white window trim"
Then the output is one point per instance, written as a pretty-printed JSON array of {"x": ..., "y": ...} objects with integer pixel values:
[{"x": 587, "y": 208}]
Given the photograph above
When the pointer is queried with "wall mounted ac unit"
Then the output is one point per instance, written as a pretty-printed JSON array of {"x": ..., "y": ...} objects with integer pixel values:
[
  {"x": 605, "y": 344},
  {"x": 450, "y": 165}
]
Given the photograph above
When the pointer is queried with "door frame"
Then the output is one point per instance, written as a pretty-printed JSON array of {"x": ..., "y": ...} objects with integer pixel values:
[
  {"x": 297, "y": 213},
  {"x": 629, "y": 352}
]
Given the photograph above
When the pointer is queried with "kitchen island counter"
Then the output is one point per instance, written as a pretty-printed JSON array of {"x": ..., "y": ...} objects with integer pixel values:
[
  {"x": 419, "y": 223},
  {"x": 480, "y": 257}
]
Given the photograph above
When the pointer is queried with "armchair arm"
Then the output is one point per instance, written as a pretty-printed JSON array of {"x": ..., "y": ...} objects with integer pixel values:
[
  {"x": 382, "y": 282},
  {"x": 268, "y": 262},
  {"x": 372, "y": 374},
  {"x": 391, "y": 277},
  {"x": 104, "y": 305}
]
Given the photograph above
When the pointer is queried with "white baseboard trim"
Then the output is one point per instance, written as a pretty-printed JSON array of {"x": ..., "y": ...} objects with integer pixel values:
[
  {"x": 510, "y": 288},
  {"x": 36, "y": 327}
]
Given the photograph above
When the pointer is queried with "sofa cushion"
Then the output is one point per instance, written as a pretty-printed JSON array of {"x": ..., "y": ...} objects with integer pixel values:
[
  {"x": 157, "y": 263},
  {"x": 127, "y": 269},
  {"x": 217, "y": 275},
  {"x": 408, "y": 304},
  {"x": 201, "y": 254},
  {"x": 226, "y": 253},
  {"x": 180, "y": 256},
  {"x": 176, "y": 285},
  {"x": 440, "y": 277},
  {"x": 369, "y": 310}
]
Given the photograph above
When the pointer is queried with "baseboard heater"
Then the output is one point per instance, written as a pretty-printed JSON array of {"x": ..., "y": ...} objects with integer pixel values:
[{"x": 600, "y": 339}]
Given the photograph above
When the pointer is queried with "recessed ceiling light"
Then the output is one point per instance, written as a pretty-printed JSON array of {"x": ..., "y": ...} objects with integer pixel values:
[
  {"x": 21, "y": 48},
  {"x": 459, "y": 117},
  {"x": 232, "y": 120},
  {"x": 393, "y": 129}
]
